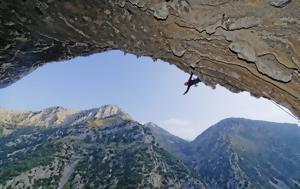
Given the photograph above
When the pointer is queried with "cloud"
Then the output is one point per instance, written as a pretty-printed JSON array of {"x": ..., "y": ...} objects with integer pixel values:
[
  {"x": 181, "y": 128},
  {"x": 176, "y": 122}
]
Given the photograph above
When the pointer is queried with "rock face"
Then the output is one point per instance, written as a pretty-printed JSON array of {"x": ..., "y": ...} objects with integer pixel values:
[
  {"x": 59, "y": 116},
  {"x": 243, "y": 45}
]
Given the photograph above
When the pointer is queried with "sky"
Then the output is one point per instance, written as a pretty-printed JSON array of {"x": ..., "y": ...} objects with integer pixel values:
[{"x": 149, "y": 91}]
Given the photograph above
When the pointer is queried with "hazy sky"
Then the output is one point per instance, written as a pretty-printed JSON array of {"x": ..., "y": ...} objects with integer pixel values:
[{"x": 149, "y": 91}]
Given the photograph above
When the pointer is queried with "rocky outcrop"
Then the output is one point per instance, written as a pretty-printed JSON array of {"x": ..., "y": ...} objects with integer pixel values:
[
  {"x": 59, "y": 116},
  {"x": 242, "y": 45}
]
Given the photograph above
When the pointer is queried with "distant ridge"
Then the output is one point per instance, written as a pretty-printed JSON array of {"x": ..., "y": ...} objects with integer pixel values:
[
  {"x": 57, "y": 116},
  {"x": 239, "y": 153}
]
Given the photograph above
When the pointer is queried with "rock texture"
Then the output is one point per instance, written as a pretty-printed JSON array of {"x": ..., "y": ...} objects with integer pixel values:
[
  {"x": 59, "y": 116},
  {"x": 243, "y": 45}
]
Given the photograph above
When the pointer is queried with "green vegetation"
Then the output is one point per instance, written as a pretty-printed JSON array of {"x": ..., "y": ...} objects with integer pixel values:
[
  {"x": 114, "y": 155},
  {"x": 44, "y": 184},
  {"x": 67, "y": 186},
  {"x": 41, "y": 157},
  {"x": 118, "y": 157}
]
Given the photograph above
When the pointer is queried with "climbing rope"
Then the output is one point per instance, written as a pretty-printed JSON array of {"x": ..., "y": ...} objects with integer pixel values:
[{"x": 293, "y": 116}]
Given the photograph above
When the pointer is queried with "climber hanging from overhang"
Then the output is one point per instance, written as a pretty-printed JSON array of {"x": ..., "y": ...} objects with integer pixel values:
[{"x": 191, "y": 82}]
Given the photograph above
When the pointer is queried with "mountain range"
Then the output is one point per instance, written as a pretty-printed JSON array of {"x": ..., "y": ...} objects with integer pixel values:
[{"x": 105, "y": 148}]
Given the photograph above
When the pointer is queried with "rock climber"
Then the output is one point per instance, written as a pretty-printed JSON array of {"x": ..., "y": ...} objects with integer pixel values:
[{"x": 191, "y": 82}]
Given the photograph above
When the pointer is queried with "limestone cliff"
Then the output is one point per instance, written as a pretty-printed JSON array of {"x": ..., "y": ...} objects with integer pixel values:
[
  {"x": 240, "y": 44},
  {"x": 59, "y": 116}
]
